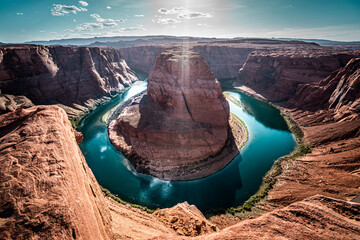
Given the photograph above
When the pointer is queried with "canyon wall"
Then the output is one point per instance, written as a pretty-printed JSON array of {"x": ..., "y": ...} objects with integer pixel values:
[
  {"x": 327, "y": 110},
  {"x": 340, "y": 92},
  {"x": 142, "y": 58},
  {"x": 225, "y": 58},
  {"x": 72, "y": 76},
  {"x": 277, "y": 74}
]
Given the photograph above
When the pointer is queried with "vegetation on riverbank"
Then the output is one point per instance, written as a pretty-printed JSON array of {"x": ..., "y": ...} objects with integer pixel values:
[
  {"x": 270, "y": 178},
  {"x": 242, "y": 143},
  {"x": 119, "y": 200},
  {"x": 232, "y": 99}
]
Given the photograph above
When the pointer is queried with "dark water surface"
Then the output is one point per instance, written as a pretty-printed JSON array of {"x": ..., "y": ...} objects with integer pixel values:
[{"x": 269, "y": 139}]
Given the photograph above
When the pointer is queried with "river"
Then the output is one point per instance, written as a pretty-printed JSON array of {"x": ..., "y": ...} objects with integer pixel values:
[{"x": 269, "y": 139}]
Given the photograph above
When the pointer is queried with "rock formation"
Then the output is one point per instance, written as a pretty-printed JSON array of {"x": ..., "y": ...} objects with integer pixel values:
[
  {"x": 72, "y": 76},
  {"x": 225, "y": 58},
  {"x": 47, "y": 189},
  {"x": 185, "y": 220},
  {"x": 9, "y": 103},
  {"x": 340, "y": 91},
  {"x": 327, "y": 112},
  {"x": 174, "y": 130},
  {"x": 318, "y": 217},
  {"x": 277, "y": 74}
]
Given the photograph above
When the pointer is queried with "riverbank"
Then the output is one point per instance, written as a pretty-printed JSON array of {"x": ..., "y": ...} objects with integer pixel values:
[{"x": 325, "y": 168}]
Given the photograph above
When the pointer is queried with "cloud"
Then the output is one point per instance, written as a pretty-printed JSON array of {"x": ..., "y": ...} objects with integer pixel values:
[
  {"x": 130, "y": 29},
  {"x": 19, "y": 13},
  {"x": 108, "y": 7},
  {"x": 203, "y": 25},
  {"x": 190, "y": 15},
  {"x": 175, "y": 10},
  {"x": 61, "y": 10},
  {"x": 106, "y": 22},
  {"x": 139, "y": 15},
  {"x": 183, "y": 13},
  {"x": 83, "y": 3},
  {"x": 167, "y": 20},
  {"x": 100, "y": 23}
]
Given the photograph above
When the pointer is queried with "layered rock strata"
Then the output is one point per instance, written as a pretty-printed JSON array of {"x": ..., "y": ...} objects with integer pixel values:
[
  {"x": 175, "y": 130},
  {"x": 339, "y": 92},
  {"x": 185, "y": 220},
  {"x": 71, "y": 76},
  {"x": 9, "y": 103},
  {"x": 277, "y": 74},
  {"x": 47, "y": 189},
  {"x": 317, "y": 217},
  {"x": 225, "y": 58},
  {"x": 327, "y": 112}
]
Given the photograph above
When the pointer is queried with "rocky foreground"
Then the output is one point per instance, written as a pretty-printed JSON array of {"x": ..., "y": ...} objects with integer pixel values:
[{"x": 179, "y": 130}]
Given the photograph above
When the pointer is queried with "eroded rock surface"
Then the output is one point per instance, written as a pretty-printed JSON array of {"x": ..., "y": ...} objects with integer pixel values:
[
  {"x": 9, "y": 103},
  {"x": 185, "y": 220},
  {"x": 225, "y": 58},
  {"x": 47, "y": 189},
  {"x": 171, "y": 131},
  {"x": 277, "y": 74},
  {"x": 72, "y": 76},
  {"x": 340, "y": 92},
  {"x": 317, "y": 217},
  {"x": 327, "y": 111}
]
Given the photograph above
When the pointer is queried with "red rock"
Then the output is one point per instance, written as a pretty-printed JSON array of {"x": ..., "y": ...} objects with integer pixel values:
[
  {"x": 9, "y": 103},
  {"x": 70, "y": 76},
  {"x": 277, "y": 74},
  {"x": 182, "y": 120},
  {"x": 317, "y": 217},
  {"x": 185, "y": 220},
  {"x": 225, "y": 58},
  {"x": 340, "y": 92},
  {"x": 47, "y": 189}
]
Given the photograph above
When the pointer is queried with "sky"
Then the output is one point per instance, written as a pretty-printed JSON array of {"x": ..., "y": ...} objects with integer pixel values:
[{"x": 26, "y": 20}]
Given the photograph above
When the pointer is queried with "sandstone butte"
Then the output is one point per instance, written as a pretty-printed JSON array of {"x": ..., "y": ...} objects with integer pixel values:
[{"x": 178, "y": 130}]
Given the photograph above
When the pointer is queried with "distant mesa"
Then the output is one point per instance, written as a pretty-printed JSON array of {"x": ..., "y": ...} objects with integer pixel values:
[{"x": 179, "y": 129}]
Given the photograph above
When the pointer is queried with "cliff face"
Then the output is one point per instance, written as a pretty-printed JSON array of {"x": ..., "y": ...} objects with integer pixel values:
[
  {"x": 277, "y": 74},
  {"x": 339, "y": 92},
  {"x": 65, "y": 75},
  {"x": 182, "y": 120},
  {"x": 47, "y": 189},
  {"x": 142, "y": 57},
  {"x": 225, "y": 61},
  {"x": 225, "y": 58}
]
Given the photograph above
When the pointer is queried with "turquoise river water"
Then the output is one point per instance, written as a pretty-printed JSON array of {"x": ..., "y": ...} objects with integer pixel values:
[{"x": 269, "y": 139}]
